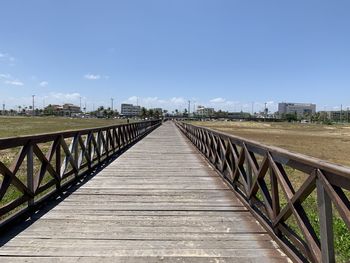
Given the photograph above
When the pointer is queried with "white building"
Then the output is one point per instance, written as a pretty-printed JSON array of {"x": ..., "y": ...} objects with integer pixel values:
[
  {"x": 205, "y": 112},
  {"x": 300, "y": 109},
  {"x": 130, "y": 110}
]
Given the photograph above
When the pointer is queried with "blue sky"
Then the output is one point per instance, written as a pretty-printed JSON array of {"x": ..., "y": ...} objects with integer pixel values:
[{"x": 225, "y": 54}]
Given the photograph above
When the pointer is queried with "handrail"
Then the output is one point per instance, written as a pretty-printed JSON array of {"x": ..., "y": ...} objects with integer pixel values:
[
  {"x": 260, "y": 177},
  {"x": 46, "y": 163}
]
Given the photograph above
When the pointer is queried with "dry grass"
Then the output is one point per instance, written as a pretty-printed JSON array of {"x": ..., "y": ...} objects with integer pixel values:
[
  {"x": 18, "y": 126},
  {"x": 331, "y": 143}
]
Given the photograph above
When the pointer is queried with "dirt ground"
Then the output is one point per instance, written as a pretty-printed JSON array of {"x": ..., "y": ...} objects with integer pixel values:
[{"x": 328, "y": 142}]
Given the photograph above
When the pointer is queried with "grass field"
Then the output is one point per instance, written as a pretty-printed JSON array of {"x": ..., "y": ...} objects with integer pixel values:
[
  {"x": 327, "y": 142},
  {"x": 17, "y": 126}
]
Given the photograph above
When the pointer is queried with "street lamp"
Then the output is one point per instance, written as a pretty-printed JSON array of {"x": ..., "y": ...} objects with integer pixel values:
[{"x": 33, "y": 96}]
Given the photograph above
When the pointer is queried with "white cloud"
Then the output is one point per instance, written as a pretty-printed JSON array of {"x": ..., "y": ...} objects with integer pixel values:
[
  {"x": 5, "y": 57},
  {"x": 14, "y": 82},
  {"x": 155, "y": 102},
  {"x": 217, "y": 100},
  {"x": 5, "y": 76},
  {"x": 218, "y": 103},
  {"x": 43, "y": 84},
  {"x": 177, "y": 100},
  {"x": 65, "y": 96},
  {"x": 8, "y": 79},
  {"x": 92, "y": 76},
  {"x": 41, "y": 100}
]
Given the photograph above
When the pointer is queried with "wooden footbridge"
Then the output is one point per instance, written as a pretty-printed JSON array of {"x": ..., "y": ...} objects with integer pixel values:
[{"x": 174, "y": 192}]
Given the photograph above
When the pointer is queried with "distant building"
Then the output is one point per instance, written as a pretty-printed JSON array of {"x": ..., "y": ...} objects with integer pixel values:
[
  {"x": 70, "y": 109},
  {"x": 129, "y": 110},
  {"x": 55, "y": 107},
  {"x": 338, "y": 115},
  {"x": 205, "y": 112},
  {"x": 300, "y": 109},
  {"x": 67, "y": 109}
]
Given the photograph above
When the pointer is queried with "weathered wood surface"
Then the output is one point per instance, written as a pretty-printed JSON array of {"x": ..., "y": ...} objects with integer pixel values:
[{"x": 158, "y": 202}]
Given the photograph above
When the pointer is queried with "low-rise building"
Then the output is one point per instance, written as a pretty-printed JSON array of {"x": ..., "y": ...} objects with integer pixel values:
[
  {"x": 205, "y": 112},
  {"x": 338, "y": 115},
  {"x": 66, "y": 109},
  {"x": 70, "y": 109},
  {"x": 129, "y": 110}
]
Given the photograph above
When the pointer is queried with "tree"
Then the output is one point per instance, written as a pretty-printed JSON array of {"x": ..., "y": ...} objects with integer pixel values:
[
  {"x": 157, "y": 114},
  {"x": 143, "y": 113},
  {"x": 291, "y": 117},
  {"x": 221, "y": 114},
  {"x": 151, "y": 113},
  {"x": 185, "y": 114}
]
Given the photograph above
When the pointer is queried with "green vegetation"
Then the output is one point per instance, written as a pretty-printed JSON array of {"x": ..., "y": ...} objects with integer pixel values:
[{"x": 17, "y": 126}]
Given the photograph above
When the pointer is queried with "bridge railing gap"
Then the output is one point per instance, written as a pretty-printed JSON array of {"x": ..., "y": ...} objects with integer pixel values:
[
  {"x": 260, "y": 176},
  {"x": 47, "y": 163}
]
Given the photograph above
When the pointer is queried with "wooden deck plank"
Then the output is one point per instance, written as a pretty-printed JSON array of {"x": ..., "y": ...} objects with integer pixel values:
[{"x": 158, "y": 202}]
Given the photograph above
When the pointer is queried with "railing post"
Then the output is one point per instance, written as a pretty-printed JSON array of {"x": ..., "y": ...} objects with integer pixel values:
[
  {"x": 76, "y": 152},
  {"x": 58, "y": 165},
  {"x": 30, "y": 173},
  {"x": 326, "y": 223},
  {"x": 275, "y": 200}
]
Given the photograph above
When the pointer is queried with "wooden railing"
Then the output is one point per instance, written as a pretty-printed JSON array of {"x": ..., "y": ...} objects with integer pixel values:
[
  {"x": 262, "y": 177},
  {"x": 48, "y": 162}
]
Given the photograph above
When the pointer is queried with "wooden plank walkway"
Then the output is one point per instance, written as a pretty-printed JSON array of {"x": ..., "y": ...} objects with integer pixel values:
[{"x": 159, "y": 202}]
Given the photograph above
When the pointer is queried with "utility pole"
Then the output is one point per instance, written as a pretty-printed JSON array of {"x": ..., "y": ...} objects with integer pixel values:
[
  {"x": 3, "y": 108},
  {"x": 341, "y": 112},
  {"x": 33, "y": 113},
  {"x": 265, "y": 110},
  {"x": 252, "y": 108},
  {"x": 80, "y": 102},
  {"x": 112, "y": 104},
  {"x": 189, "y": 108}
]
